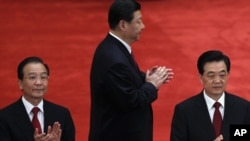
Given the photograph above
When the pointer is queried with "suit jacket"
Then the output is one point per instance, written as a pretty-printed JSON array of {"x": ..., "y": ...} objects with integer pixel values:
[
  {"x": 120, "y": 99},
  {"x": 191, "y": 120},
  {"x": 15, "y": 124}
]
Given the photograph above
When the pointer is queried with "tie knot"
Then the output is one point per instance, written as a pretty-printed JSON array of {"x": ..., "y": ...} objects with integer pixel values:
[
  {"x": 35, "y": 110},
  {"x": 217, "y": 105}
]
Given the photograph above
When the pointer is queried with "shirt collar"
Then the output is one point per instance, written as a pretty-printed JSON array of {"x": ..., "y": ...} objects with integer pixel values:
[
  {"x": 124, "y": 43},
  {"x": 28, "y": 106},
  {"x": 210, "y": 102}
]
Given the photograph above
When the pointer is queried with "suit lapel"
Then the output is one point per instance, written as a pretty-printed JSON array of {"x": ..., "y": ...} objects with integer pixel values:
[
  {"x": 205, "y": 120},
  {"x": 227, "y": 112},
  {"x": 48, "y": 119},
  {"x": 46, "y": 116},
  {"x": 125, "y": 51},
  {"x": 229, "y": 105},
  {"x": 23, "y": 122}
]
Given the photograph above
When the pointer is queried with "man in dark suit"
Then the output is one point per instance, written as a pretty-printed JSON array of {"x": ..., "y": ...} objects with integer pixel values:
[
  {"x": 194, "y": 118},
  {"x": 121, "y": 95},
  {"x": 54, "y": 121}
]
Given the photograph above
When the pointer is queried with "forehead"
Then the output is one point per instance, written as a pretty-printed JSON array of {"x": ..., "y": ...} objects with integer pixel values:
[
  {"x": 34, "y": 67},
  {"x": 215, "y": 66}
]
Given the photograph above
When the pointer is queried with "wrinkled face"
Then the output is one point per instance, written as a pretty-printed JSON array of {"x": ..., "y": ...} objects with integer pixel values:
[
  {"x": 134, "y": 28},
  {"x": 35, "y": 81},
  {"x": 215, "y": 78}
]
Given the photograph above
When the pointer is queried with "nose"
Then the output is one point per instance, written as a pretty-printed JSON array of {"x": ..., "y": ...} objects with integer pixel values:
[
  {"x": 217, "y": 78},
  {"x": 143, "y": 26},
  {"x": 38, "y": 81}
]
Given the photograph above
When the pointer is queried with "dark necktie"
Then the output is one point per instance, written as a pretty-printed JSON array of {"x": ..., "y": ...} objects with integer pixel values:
[
  {"x": 217, "y": 120},
  {"x": 35, "y": 121}
]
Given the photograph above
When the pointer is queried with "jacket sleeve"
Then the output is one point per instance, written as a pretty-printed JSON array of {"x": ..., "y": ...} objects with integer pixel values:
[{"x": 128, "y": 88}]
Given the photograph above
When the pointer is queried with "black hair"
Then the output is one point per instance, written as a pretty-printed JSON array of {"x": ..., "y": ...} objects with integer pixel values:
[
  {"x": 28, "y": 60},
  {"x": 210, "y": 56},
  {"x": 122, "y": 10}
]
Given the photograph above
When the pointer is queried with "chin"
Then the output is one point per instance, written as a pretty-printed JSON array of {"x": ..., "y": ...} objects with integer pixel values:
[
  {"x": 38, "y": 95},
  {"x": 219, "y": 92}
]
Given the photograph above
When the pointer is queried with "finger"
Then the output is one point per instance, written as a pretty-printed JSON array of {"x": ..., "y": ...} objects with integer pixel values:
[
  {"x": 49, "y": 130},
  {"x": 56, "y": 126},
  {"x": 162, "y": 71},
  {"x": 170, "y": 75},
  {"x": 149, "y": 72},
  {"x": 36, "y": 131},
  {"x": 39, "y": 136},
  {"x": 59, "y": 134},
  {"x": 167, "y": 80},
  {"x": 46, "y": 137}
]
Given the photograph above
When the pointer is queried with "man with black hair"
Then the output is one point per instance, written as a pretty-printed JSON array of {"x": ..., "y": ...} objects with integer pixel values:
[
  {"x": 32, "y": 118},
  {"x": 121, "y": 94},
  {"x": 208, "y": 115}
]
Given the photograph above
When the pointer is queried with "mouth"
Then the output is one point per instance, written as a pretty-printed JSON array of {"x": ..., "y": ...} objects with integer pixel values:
[
  {"x": 217, "y": 87},
  {"x": 38, "y": 90}
]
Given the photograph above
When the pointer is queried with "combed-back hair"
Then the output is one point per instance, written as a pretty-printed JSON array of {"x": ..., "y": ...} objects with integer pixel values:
[
  {"x": 32, "y": 59},
  {"x": 210, "y": 56},
  {"x": 122, "y": 10}
]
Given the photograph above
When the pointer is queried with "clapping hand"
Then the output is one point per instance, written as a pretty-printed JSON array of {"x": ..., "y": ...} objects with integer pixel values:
[
  {"x": 53, "y": 134},
  {"x": 159, "y": 75},
  {"x": 219, "y": 138}
]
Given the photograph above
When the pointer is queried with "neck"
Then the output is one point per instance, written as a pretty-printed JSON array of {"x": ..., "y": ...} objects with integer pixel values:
[
  {"x": 33, "y": 101},
  {"x": 121, "y": 36}
]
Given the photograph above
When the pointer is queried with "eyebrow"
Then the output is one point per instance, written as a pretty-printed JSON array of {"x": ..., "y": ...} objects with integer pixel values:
[
  {"x": 33, "y": 73},
  {"x": 223, "y": 71}
]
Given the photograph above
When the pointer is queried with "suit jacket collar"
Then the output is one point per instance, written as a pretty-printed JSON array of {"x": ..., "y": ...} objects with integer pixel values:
[
  {"x": 23, "y": 122},
  {"x": 126, "y": 45},
  {"x": 47, "y": 115},
  {"x": 119, "y": 44},
  {"x": 205, "y": 120},
  {"x": 124, "y": 50},
  {"x": 229, "y": 104},
  {"x": 23, "y": 116}
]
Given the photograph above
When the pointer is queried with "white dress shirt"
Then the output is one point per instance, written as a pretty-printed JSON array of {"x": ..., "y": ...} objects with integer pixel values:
[
  {"x": 28, "y": 106},
  {"x": 210, "y": 102}
]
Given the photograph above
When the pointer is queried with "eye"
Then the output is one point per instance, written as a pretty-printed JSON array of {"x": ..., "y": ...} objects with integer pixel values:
[
  {"x": 138, "y": 21},
  {"x": 223, "y": 75},
  {"x": 32, "y": 77},
  {"x": 211, "y": 76},
  {"x": 44, "y": 77}
]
